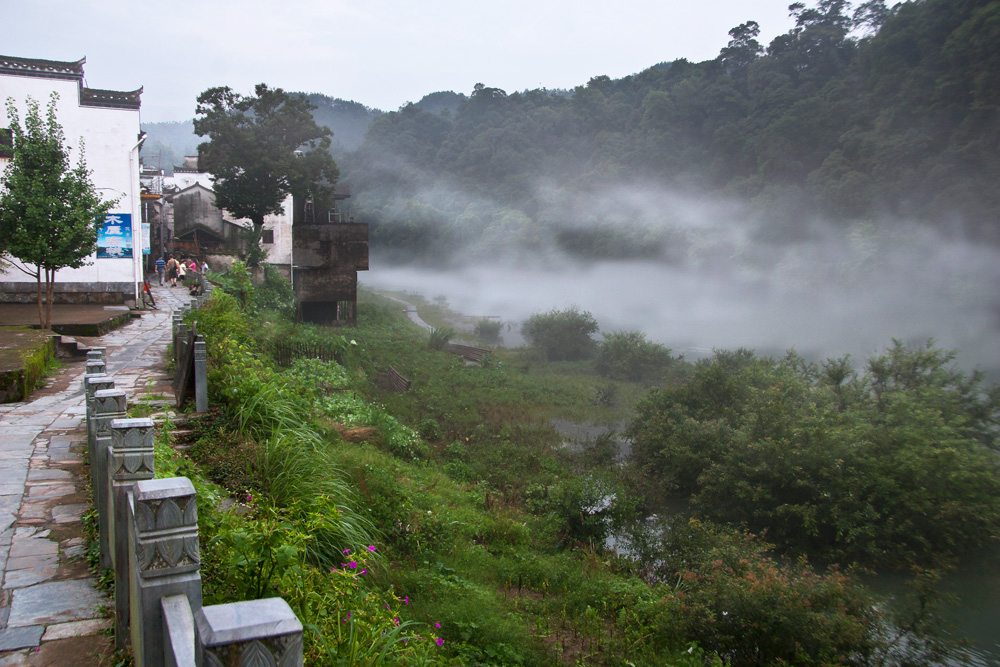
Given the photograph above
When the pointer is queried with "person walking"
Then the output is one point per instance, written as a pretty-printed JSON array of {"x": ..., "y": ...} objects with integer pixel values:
[
  {"x": 172, "y": 270},
  {"x": 181, "y": 271},
  {"x": 161, "y": 267},
  {"x": 204, "y": 266}
]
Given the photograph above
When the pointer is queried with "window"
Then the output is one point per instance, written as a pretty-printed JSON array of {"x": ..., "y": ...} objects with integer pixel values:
[{"x": 267, "y": 236}]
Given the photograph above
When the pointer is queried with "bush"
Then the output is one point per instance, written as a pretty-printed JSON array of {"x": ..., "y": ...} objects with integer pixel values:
[
  {"x": 563, "y": 335},
  {"x": 892, "y": 468},
  {"x": 440, "y": 337},
  {"x": 628, "y": 356},
  {"x": 488, "y": 331}
]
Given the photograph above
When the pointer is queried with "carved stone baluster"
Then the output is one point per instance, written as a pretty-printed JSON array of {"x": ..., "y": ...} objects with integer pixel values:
[
  {"x": 92, "y": 384},
  {"x": 109, "y": 405},
  {"x": 250, "y": 633},
  {"x": 165, "y": 560},
  {"x": 129, "y": 461}
]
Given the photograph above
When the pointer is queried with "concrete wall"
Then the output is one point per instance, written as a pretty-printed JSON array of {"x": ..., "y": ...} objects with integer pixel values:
[{"x": 110, "y": 137}]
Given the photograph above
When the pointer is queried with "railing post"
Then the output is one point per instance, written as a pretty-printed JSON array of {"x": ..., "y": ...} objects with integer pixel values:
[
  {"x": 254, "y": 632},
  {"x": 129, "y": 461},
  {"x": 165, "y": 560},
  {"x": 96, "y": 367},
  {"x": 200, "y": 376},
  {"x": 180, "y": 345},
  {"x": 91, "y": 385},
  {"x": 97, "y": 354},
  {"x": 109, "y": 404}
]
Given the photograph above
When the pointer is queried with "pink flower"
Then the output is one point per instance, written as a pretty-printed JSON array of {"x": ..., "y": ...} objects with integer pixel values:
[
  {"x": 347, "y": 551},
  {"x": 437, "y": 625},
  {"x": 371, "y": 548},
  {"x": 363, "y": 571},
  {"x": 353, "y": 564},
  {"x": 406, "y": 599},
  {"x": 395, "y": 620},
  {"x": 440, "y": 641}
]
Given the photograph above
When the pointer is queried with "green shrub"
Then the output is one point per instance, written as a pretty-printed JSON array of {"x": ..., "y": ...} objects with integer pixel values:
[
  {"x": 440, "y": 337},
  {"x": 892, "y": 468},
  {"x": 488, "y": 330},
  {"x": 563, "y": 335},
  {"x": 629, "y": 356}
]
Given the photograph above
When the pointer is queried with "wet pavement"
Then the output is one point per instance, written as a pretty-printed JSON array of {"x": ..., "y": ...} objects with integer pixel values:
[{"x": 51, "y": 613}]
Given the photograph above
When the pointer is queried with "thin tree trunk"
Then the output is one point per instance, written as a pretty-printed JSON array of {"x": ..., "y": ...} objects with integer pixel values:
[
  {"x": 50, "y": 288},
  {"x": 38, "y": 291}
]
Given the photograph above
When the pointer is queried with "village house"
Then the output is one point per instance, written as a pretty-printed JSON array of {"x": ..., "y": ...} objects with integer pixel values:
[
  {"x": 107, "y": 123},
  {"x": 320, "y": 251}
]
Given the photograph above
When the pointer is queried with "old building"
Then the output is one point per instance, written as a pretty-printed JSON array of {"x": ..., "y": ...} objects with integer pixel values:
[
  {"x": 327, "y": 253},
  {"x": 319, "y": 250},
  {"x": 107, "y": 123}
]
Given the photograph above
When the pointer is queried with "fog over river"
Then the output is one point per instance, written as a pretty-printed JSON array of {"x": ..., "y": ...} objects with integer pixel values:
[{"x": 849, "y": 292}]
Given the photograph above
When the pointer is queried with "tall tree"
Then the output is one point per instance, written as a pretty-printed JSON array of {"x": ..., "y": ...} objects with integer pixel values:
[
  {"x": 49, "y": 211},
  {"x": 262, "y": 148}
]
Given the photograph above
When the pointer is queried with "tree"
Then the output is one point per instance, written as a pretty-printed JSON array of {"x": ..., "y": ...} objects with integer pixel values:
[
  {"x": 628, "y": 355},
  {"x": 564, "y": 335},
  {"x": 262, "y": 148},
  {"x": 49, "y": 212}
]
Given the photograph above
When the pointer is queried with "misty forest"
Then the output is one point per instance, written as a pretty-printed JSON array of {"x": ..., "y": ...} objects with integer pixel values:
[{"x": 739, "y": 405}]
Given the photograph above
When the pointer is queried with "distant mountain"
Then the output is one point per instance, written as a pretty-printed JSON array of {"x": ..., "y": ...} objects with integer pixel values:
[{"x": 168, "y": 143}]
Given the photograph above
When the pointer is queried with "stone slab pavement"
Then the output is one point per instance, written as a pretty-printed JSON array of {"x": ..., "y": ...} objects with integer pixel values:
[{"x": 51, "y": 613}]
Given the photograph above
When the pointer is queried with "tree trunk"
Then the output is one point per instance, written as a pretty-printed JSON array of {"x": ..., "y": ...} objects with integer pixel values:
[
  {"x": 50, "y": 288},
  {"x": 38, "y": 291}
]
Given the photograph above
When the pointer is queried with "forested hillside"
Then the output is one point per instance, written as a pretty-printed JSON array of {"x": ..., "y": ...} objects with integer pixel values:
[{"x": 863, "y": 114}]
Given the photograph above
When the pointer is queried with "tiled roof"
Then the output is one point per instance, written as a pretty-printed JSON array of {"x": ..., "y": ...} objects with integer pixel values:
[
  {"x": 46, "y": 69},
  {"x": 94, "y": 97},
  {"x": 70, "y": 71}
]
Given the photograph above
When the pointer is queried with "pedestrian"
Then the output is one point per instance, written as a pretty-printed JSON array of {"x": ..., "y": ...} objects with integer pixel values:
[
  {"x": 181, "y": 271},
  {"x": 172, "y": 270},
  {"x": 193, "y": 266},
  {"x": 204, "y": 266},
  {"x": 161, "y": 267}
]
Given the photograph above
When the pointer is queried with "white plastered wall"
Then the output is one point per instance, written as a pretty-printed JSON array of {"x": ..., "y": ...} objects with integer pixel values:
[{"x": 110, "y": 139}]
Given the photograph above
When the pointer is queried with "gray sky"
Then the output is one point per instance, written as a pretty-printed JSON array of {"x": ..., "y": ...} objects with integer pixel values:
[{"x": 382, "y": 53}]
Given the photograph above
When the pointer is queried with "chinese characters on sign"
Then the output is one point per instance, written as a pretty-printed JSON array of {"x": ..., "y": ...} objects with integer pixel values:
[{"x": 114, "y": 238}]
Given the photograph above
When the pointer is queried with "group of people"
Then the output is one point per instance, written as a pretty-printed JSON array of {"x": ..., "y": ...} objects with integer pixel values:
[{"x": 174, "y": 270}]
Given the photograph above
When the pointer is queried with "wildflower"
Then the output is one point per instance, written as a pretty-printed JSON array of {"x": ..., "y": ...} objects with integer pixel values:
[
  {"x": 440, "y": 641},
  {"x": 371, "y": 547},
  {"x": 406, "y": 600},
  {"x": 353, "y": 564},
  {"x": 363, "y": 571},
  {"x": 437, "y": 625},
  {"x": 347, "y": 551},
  {"x": 395, "y": 620}
]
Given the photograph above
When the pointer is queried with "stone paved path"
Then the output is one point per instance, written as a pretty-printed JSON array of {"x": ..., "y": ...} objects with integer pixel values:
[{"x": 50, "y": 611}]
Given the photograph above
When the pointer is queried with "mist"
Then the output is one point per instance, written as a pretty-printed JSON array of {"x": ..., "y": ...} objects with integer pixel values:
[{"x": 718, "y": 278}]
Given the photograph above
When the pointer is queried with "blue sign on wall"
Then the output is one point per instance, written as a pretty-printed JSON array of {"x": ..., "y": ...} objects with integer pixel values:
[{"x": 114, "y": 238}]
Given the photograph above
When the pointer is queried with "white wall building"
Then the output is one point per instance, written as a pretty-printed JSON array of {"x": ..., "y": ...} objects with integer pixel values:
[{"x": 108, "y": 124}]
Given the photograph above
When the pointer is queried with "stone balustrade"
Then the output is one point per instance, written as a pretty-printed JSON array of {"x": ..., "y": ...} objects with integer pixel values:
[{"x": 148, "y": 532}]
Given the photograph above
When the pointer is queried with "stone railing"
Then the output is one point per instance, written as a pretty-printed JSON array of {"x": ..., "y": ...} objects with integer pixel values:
[
  {"x": 190, "y": 357},
  {"x": 148, "y": 532}
]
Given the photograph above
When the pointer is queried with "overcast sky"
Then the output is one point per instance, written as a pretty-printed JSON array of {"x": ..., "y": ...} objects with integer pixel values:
[{"x": 382, "y": 53}]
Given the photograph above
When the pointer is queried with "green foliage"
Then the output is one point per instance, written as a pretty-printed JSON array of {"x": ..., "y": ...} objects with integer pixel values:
[
  {"x": 440, "y": 337},
  {"x": 49, "y": 212},
  {"x": 893, "y": 467},
  {"x": 563, "y": 335},
  {"x": 628, "y": 355},
  {"x": 274, "y": 293},
  {"x": 489, "y": 330},
  {"x": 886, "y": 113},
  {"x": 262, "y": 148}
]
